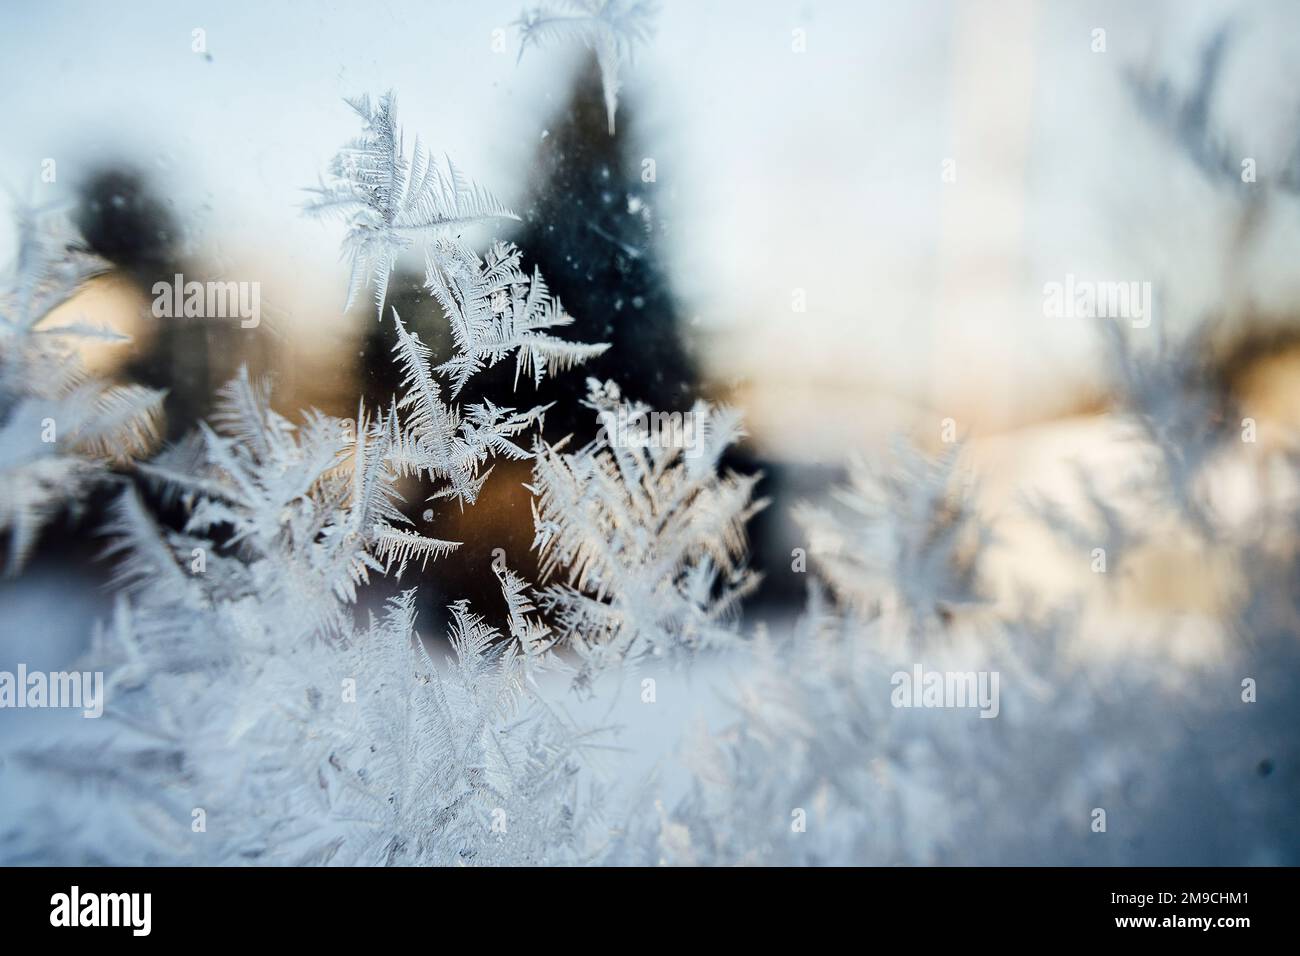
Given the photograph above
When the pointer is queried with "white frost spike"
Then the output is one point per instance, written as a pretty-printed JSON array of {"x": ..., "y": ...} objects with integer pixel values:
[
  {"x": 611, "y": 28},
  {"x": 399, "y": 546},
  {"x": 429, "y": 441}
]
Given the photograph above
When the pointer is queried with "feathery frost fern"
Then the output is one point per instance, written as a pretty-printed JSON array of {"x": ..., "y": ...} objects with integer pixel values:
[
  {"x": 902, "y": 540},
  {"x": 391, "y": 201}
]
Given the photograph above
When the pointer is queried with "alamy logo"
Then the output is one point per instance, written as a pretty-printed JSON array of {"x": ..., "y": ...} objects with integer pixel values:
[
  {"x": 73, "y": 689},
  {"x": 922, "y": 688},
  {"x": 1085, "y": 299},
  {"x": 642, "y": 428},
  {"x": 209, "y": 300},
  {"x": 103, "y": 909}
]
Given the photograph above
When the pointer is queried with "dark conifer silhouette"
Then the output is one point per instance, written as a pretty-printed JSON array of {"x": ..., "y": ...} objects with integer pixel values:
[{"x": 594, "y": 228}]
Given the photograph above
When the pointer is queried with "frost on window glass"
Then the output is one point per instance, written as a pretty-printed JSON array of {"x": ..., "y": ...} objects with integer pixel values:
[{"x": 683, "y": 434}]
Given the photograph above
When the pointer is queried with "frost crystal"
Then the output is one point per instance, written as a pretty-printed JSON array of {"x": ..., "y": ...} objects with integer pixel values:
[
  {"x": 390, "y": 201},
  {"x": 649, "y": 538}
]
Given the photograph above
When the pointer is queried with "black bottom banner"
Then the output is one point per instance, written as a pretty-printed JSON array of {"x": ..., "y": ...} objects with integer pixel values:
[{"x": 305, "y": 906}]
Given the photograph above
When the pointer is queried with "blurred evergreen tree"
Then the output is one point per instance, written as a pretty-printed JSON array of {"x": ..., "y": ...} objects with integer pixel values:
[{"x": 593, "y": 226}]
